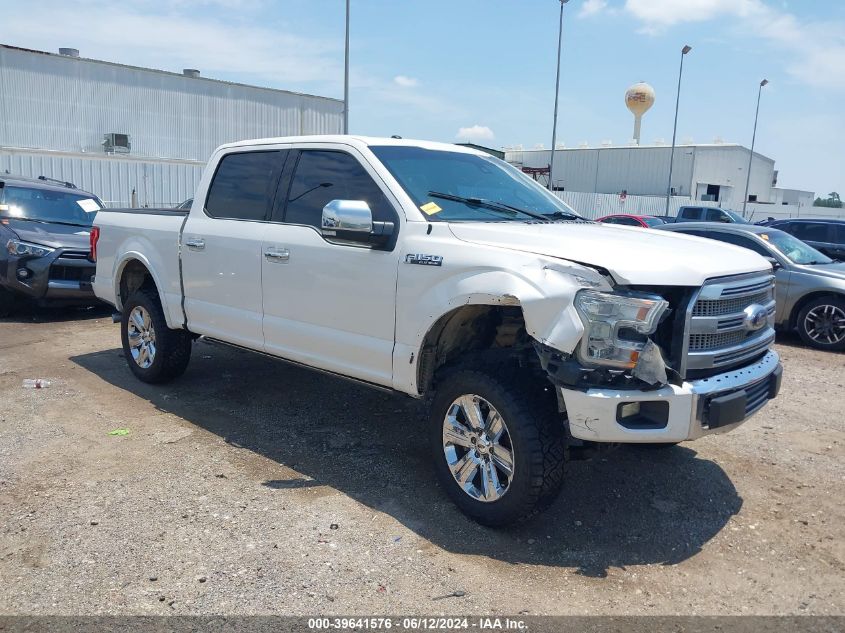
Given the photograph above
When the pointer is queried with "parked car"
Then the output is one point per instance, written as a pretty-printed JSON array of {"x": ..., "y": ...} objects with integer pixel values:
[
  {"x": 44, "y": 234},
  {"x": 435, "y": 270},
  {"x": 625, "y": 219},
  {"x": 827, "y": 236},
  {"x": 810, "y": 286},
  {"x": 709, "y": 214}
]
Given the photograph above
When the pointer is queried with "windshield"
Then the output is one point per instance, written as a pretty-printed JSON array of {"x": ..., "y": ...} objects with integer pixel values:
[
  {"x": 653, "y": 221},
  {"x": 735, "y": 217},
  {"x": 794, "y": 249},
  {"x": 48, "y": 205},
  {"x": 469, "y": 187}
]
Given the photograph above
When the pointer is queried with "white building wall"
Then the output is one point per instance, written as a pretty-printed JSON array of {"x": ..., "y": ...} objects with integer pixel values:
[
  {"x": 157, "y": 183},
  {"x": 54, "y": 102},
  {"x": 727, "y": 167},
  {"x": 793, "y": 196}
]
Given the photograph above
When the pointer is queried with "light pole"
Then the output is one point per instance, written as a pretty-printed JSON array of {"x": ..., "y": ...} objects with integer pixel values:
[
  {"x": 686, "y": 49},
  {"x": 346, "y": 77},
  {"x": 557, "y": 92},
  {"x": 753, "y": 139}
]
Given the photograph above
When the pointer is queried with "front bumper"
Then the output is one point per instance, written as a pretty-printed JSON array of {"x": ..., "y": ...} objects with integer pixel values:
[
  {"x": 59, "y": 276},
  {"x": 700, "y": 407}
]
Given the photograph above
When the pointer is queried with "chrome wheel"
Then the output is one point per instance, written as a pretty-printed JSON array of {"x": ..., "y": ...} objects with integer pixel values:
[
  {"x": 825, "y": 324},
  {"x": 142, "y": 337},
  {"x": 478, "y": 448}
]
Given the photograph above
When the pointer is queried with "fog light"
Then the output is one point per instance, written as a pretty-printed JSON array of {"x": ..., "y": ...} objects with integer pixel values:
[
  {"x": 645, "y": 414},
  {"x": 628, "y": 410},
  {"x": 23, "y": 273}
]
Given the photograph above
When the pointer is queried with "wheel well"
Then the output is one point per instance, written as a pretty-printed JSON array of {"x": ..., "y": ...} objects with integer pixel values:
[
  {"x": 803, "y": 301},
  {"x": 471, "y": 328},
  {"x": 134, "y": 276}
]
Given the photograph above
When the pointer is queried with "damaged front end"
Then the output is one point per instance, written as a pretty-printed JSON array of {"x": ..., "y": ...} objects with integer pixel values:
[{"x": 616, "y": 349}]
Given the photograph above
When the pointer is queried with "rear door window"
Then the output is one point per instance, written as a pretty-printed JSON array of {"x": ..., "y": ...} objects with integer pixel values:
[
  {"x": 714, "y": 215},
  {"x": 243, "y": 185},
  {"x": 739, "y": 240},
  {"x": 811, "y": 231},
  {"x": 691, "y": 213},
  {"x": 325, "y": 175}
]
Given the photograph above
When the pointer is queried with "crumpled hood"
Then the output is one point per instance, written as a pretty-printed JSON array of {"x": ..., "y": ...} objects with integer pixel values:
[
  {"x": 634, "y": 256},
  {"x": 52, "y": 235}
]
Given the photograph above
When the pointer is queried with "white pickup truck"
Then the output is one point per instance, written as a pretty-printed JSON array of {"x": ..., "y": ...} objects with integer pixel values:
[{"x": 436, "y": 270}]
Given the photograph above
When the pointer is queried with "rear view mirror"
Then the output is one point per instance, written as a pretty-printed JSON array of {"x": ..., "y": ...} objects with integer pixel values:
[{"x": 352, "y": 220}]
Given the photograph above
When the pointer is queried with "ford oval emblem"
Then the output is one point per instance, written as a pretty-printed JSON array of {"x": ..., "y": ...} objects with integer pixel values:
[{"x": 756, "y": 317}]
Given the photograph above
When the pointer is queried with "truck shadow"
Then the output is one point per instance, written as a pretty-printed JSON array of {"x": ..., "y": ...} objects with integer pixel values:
[
  {"x": 31, "y": 313},
  {"x": 630, "y": 507}
]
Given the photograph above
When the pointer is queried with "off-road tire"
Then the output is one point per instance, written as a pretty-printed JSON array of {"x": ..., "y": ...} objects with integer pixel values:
[
  {"x": 829, "y": 300},
  {"x": 173, "y": 347},
  {"x": 528, "y": 405}
]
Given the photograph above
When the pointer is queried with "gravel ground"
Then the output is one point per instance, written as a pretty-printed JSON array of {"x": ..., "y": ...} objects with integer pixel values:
[{"x": 251, "y": 487}]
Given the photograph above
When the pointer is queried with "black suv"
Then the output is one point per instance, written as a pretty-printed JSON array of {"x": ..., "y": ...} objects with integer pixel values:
[
  {"x": 827, "y": 236},
  {"x": 45, "y": 228}
]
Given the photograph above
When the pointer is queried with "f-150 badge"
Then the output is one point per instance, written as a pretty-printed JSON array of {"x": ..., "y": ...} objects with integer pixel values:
[{"x": 423, "y": 260}]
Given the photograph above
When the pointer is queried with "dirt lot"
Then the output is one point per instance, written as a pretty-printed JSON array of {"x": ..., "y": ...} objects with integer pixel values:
[{"x": 252, "y": 487}]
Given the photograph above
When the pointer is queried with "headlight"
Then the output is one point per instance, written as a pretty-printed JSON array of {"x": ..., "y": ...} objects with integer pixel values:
[
  {"x": 616, "y": 326},
  {"x": 24, "y": 249}
]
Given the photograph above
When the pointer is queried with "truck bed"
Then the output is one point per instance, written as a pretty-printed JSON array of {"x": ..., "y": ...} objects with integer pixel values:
[{"x": 149, "y": 235}]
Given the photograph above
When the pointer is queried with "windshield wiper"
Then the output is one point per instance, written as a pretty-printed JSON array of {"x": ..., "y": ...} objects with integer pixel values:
[
  {"x": 562, "y": 215},
  {"x": 87, "y": 226},
  {"x": 488, "y": 204}
]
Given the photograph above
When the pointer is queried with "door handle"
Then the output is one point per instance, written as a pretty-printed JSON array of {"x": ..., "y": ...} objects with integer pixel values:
[
  {"x": 195, "y": 243},
  {"x": 277, "y": 255}
]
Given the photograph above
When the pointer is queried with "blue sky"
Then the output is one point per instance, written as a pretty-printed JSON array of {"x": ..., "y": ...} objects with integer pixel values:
[{"x": 483, "y": 70}]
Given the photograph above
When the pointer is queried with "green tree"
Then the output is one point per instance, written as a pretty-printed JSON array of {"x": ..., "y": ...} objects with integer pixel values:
[{"x": 832, "y": 201}]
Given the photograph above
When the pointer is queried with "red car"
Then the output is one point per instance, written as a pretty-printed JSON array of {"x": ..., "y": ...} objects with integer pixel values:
[{"x": 644, "y": 221}]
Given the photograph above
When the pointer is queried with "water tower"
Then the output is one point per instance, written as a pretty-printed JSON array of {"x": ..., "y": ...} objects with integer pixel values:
[{"x": 639, "y": 98}]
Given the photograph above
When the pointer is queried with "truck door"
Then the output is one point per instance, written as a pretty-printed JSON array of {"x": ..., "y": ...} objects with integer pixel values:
[
  {"x": 328, "y": 305},
  {"x": 221, "y": 248}
]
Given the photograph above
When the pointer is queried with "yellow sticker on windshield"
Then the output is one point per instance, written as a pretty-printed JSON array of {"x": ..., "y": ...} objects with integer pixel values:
[
  {"x": 765, "y": 236},
  {"x": 430, "y": 208}
]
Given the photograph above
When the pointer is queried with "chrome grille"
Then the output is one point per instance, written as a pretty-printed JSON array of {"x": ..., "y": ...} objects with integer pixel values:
[
  {"x": 718, "y": 307},
  {"x": 718, "y": 332}
]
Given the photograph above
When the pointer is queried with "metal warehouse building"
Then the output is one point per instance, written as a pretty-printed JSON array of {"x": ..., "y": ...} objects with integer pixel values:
[
  {"x": 113, "y": 129},
  {"x": 714, "y": 173}
]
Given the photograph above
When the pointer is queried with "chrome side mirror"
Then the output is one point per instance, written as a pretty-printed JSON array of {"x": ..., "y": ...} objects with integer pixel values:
[
  {"x": 347, "y": 216},
  {"x": 352, "y": 221}
]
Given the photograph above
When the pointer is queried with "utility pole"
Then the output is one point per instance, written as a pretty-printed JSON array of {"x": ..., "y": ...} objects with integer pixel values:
[
  {"x": 557, "y": 92},
  {"x": 751, "y": 155},
  {"x": 346, "y": 77},
  {"x": 686, "y": 49}
]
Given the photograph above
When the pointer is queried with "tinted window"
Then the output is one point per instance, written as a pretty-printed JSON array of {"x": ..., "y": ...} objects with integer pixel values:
[
  {"x": 838, "y": 234},
  {"x": 691, "y": 213},
  {"x": 740, "y": 240},
  {"x": 323, "y": 176},
  {"x": 809, "y": 231},
  {"x": 242, "y": 185},
  {"x": 654, "y": 221},
  {"x": 628, "y": 221},
  {"x": 714, "y": 215}
]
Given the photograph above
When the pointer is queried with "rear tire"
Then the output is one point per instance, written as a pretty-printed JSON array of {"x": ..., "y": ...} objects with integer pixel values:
[
  {"x": 821, "y": 323},
  {"x": 7, "y": 302},
  {"x": 154, "y": 352},
  {"x": 519, "y": 409}
]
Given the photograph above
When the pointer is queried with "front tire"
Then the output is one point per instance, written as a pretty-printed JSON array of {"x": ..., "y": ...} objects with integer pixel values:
[
  {"x": 821, "y": 323},
  {"x": 498, "y": 442},
  {"x": 154, "y": 352}
]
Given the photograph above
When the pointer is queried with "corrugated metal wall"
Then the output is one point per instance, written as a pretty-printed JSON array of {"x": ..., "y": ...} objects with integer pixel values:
[
  {"x": 157, "y": 183},
  {"x": 53, "y": 102}
]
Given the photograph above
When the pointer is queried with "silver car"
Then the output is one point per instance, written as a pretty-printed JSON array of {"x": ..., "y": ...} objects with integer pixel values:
[{"x": 810, "y": 290}]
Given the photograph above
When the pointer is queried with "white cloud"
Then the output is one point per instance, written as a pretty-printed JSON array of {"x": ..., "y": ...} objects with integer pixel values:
[
  {"x": 592, "y": 7},
  {"x": 405, "y": 82},
  {"x": 816, "y": 50},
  {"x": 476, "y": 133}
]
